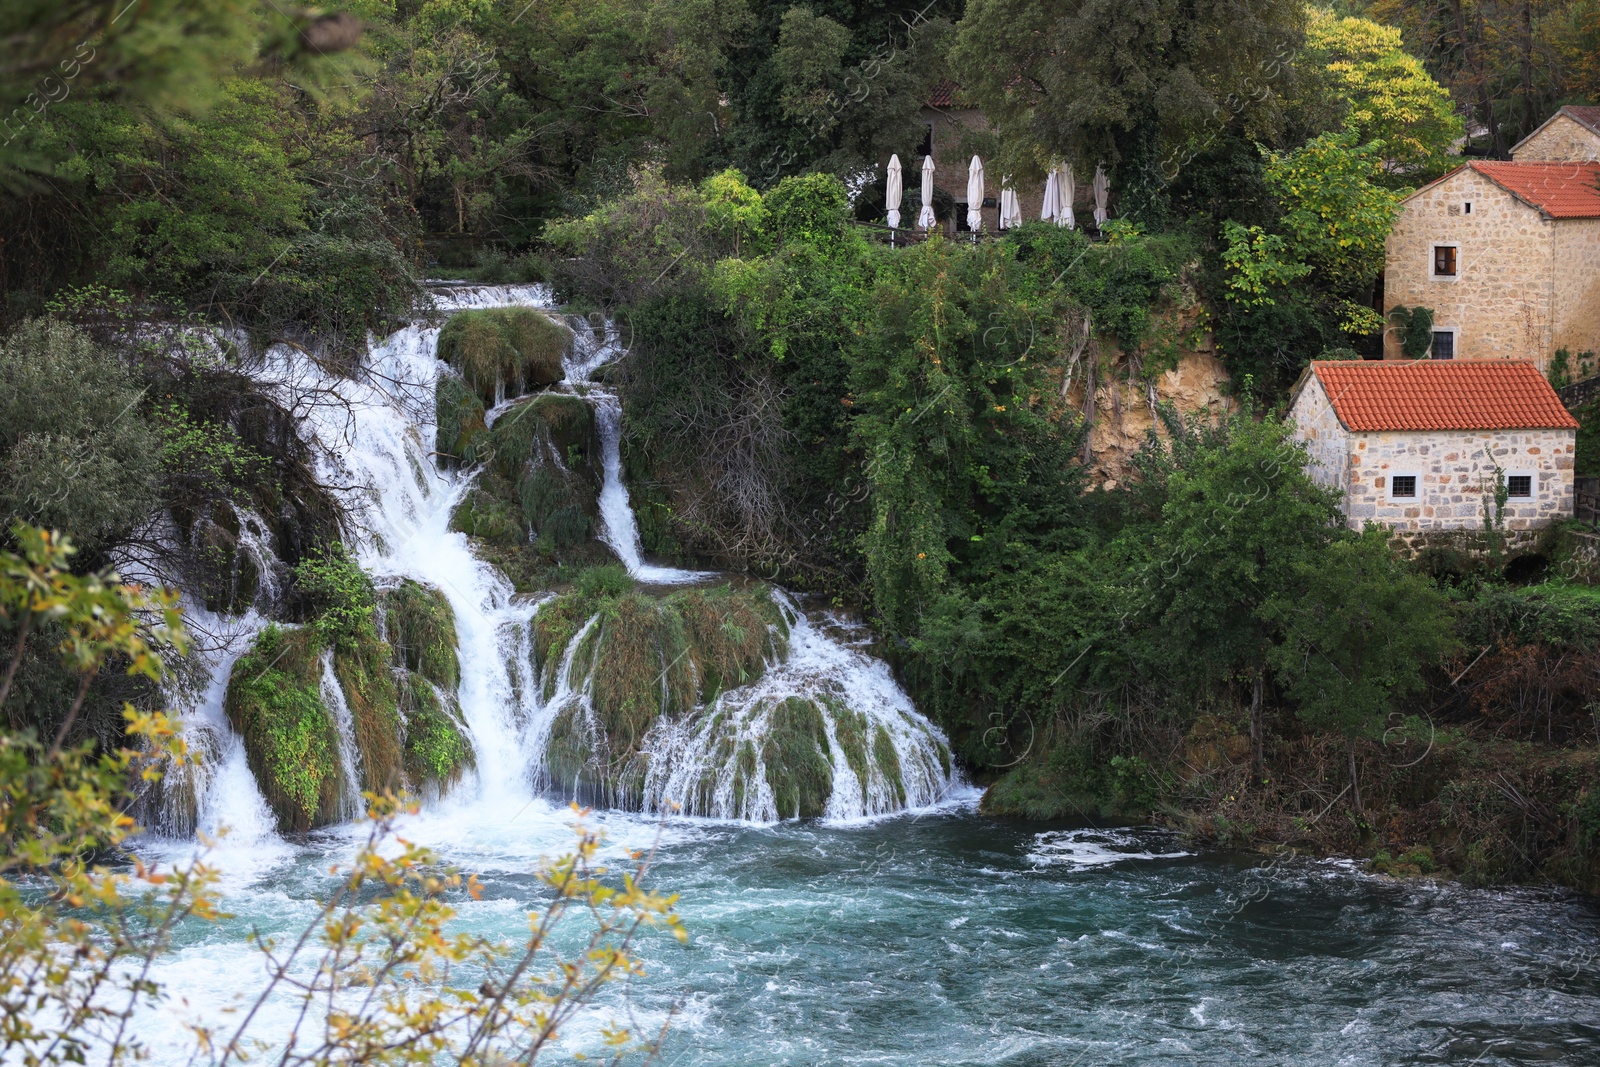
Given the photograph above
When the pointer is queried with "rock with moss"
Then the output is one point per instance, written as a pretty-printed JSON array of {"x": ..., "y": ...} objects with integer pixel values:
[
  {"x": 460, "y": 416},
  {"x": 274, "y": 699},
  {"x": 436, "y": 751},
  {"x": 361, "y": 663},
  {"x": 504, "y": 351},
  {"x": 637, "y": 659},
  {"x": 421, "y": 629},
  {"x": 797, "y": 757},
  {"x": 535, "y": 507}
]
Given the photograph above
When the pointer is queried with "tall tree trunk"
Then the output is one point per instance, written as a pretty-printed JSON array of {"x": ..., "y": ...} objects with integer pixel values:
[
  {"x": 1256, "y": 687},
  {"x": 1355, "y": 785},
  {"x": 1526, "y": 48}
]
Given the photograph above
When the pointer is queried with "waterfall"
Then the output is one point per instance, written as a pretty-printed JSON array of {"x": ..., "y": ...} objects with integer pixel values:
[
  {"x": 345, "y": 722},
  {"x": 374, "y": 436}
]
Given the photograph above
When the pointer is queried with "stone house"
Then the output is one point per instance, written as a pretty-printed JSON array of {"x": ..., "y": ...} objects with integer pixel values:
[
  {"x": 1417, "y": 444},
  {"x": 1572, "y": 134},
  {"x": 1506, "y": 254}
]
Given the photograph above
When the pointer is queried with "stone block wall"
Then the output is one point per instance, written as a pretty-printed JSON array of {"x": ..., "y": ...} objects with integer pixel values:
[
  {"x": 1563, "y": 139},
  {"x": 1577, "y": 286},
  {"x": 1500, "y": 302},
  {"x": 1318, "y": 428},
  {"x": 1454, "y": 469}
]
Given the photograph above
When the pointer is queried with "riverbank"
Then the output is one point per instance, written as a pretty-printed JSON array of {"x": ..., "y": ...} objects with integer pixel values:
[{"x": 1453, "y": 802}]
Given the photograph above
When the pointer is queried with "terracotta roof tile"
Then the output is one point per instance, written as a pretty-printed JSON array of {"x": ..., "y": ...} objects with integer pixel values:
[
  {"x": 1560, "y": 190},
  {"x": 1442, "y": 395},
  {"x": 943, "y": 94}
]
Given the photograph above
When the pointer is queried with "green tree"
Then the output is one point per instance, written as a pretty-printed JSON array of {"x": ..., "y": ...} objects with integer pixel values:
[
  {"x": 1241, "y": 518},
  {"x": 1358, "y": 631},
  {"x": 1122, "y": 83},
  {"x": 76, "y": 451}
]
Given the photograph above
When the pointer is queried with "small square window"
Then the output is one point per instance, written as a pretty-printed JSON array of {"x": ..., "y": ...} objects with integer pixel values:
[
  {"x": 1519, "y": 486},
  {"x": 1444, "y": 261},
  {"x": 1403, "y": 487},
  {"x": 1444, "y": 344}
]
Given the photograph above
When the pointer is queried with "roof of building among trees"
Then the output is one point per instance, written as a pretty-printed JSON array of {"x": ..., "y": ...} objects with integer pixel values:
[{"x": 1441, "y": 395}]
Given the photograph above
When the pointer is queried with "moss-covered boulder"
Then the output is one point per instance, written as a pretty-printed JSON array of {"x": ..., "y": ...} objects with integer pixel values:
[
  {"x": 421, "y": 629},
  {"x": 535, "y": 506},
  {"x": 361, "y": 664},
  {"x": 460, "y": 417},
  {"x": 436, "y": 748},
  {"x": 640, "y": 659},
  {"x": 797, "y": 757},
  {"x": 274, "y": 700},
  {"x": 504, "y": 351}
]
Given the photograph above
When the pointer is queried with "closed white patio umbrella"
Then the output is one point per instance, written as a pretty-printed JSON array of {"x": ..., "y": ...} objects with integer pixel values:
[
  {"x": 1050, "y": 205},
  {"x": 895, "y": 191},
  {"x": 1102, "y": 193},
  {"x": 925, "y": 219},
  {"x": 975, "y": 195},
  {"x": 1065, "y": 191},
  {"x": 1010, "y": 208}
]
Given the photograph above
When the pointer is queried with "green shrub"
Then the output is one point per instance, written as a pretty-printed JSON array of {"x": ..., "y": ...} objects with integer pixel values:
[
  {"x": 339, "y": 593},
  {"x": 436, "y": 749},
  {"x": 76, "y": 453}
]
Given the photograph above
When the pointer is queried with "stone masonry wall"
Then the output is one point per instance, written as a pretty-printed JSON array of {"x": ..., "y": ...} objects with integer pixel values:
[
  {"x": 1565, "y": 138},
  {"x": 1454, "y": 469},
  {"x": 1500, "y": 300},
  {"x": 1577, "y": 286},
  {"x": 1318, "y": 428}
]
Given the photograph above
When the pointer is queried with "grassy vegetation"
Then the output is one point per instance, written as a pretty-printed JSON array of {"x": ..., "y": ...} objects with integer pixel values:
[
  {"x": 274, "y": 700},
  {"x": 460, "y": 418},
  {"x": 514, "y": 349},
  {"x": 535, "y": 507}
]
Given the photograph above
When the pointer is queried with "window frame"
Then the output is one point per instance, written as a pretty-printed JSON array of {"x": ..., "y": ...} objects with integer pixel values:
[
  {"x": 1433, "y": 261},
  {"x": 1533, "y": 485},
  {"x": 1414, "y": 498},
  {"x": 1455, "y": 342}
]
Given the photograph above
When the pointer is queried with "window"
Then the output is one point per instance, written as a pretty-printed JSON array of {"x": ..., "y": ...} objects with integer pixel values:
[
  {"x": 1444, "y": 261},
  {"x": 1519, "y": 486},
  {"x": 927, "y": 141},
  {"x": 1466, "y": 207},
  {"x": 1444, "y": 344},
  {"x": 1403, "y": 487},
  {"x": 961, "y": 217}
]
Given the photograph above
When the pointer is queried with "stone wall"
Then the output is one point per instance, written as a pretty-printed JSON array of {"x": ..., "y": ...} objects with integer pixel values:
[
  {"x": 1500, "y": 300},
  {"x": 1453, "y": 470},
  {"x": 1318, "y": 428},
  {"x": 1577, "y": 286},
  {"x": 1564, "y": 138}
]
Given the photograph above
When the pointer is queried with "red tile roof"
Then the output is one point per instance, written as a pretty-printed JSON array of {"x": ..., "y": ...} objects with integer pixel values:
[
  {"x": 1442, "y": 395},
  {"x": 944, "y": 95},
  {"x": 1560, "y": 190}
]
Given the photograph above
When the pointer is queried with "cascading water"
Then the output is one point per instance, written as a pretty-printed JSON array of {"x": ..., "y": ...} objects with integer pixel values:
[{"x": 375, "y": 434}]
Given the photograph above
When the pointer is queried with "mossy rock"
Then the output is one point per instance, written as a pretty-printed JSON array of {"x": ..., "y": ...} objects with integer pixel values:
[
  {"x": 888, "y": 761},
  {"x": 488, "y": 517},
  {"x": 421, "y": 628},
  {"x": 361, "y": 663},
  {"x": 795, "y": 752},
  {"x": 513, "y": 350},
  {"x": 654, "y": 657},
  {"x": 228, "y": 578},
  {"x": 437, "y": 751},
  {"x": 274, "y": 699},
  {"x": 850, "y": 729}
]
